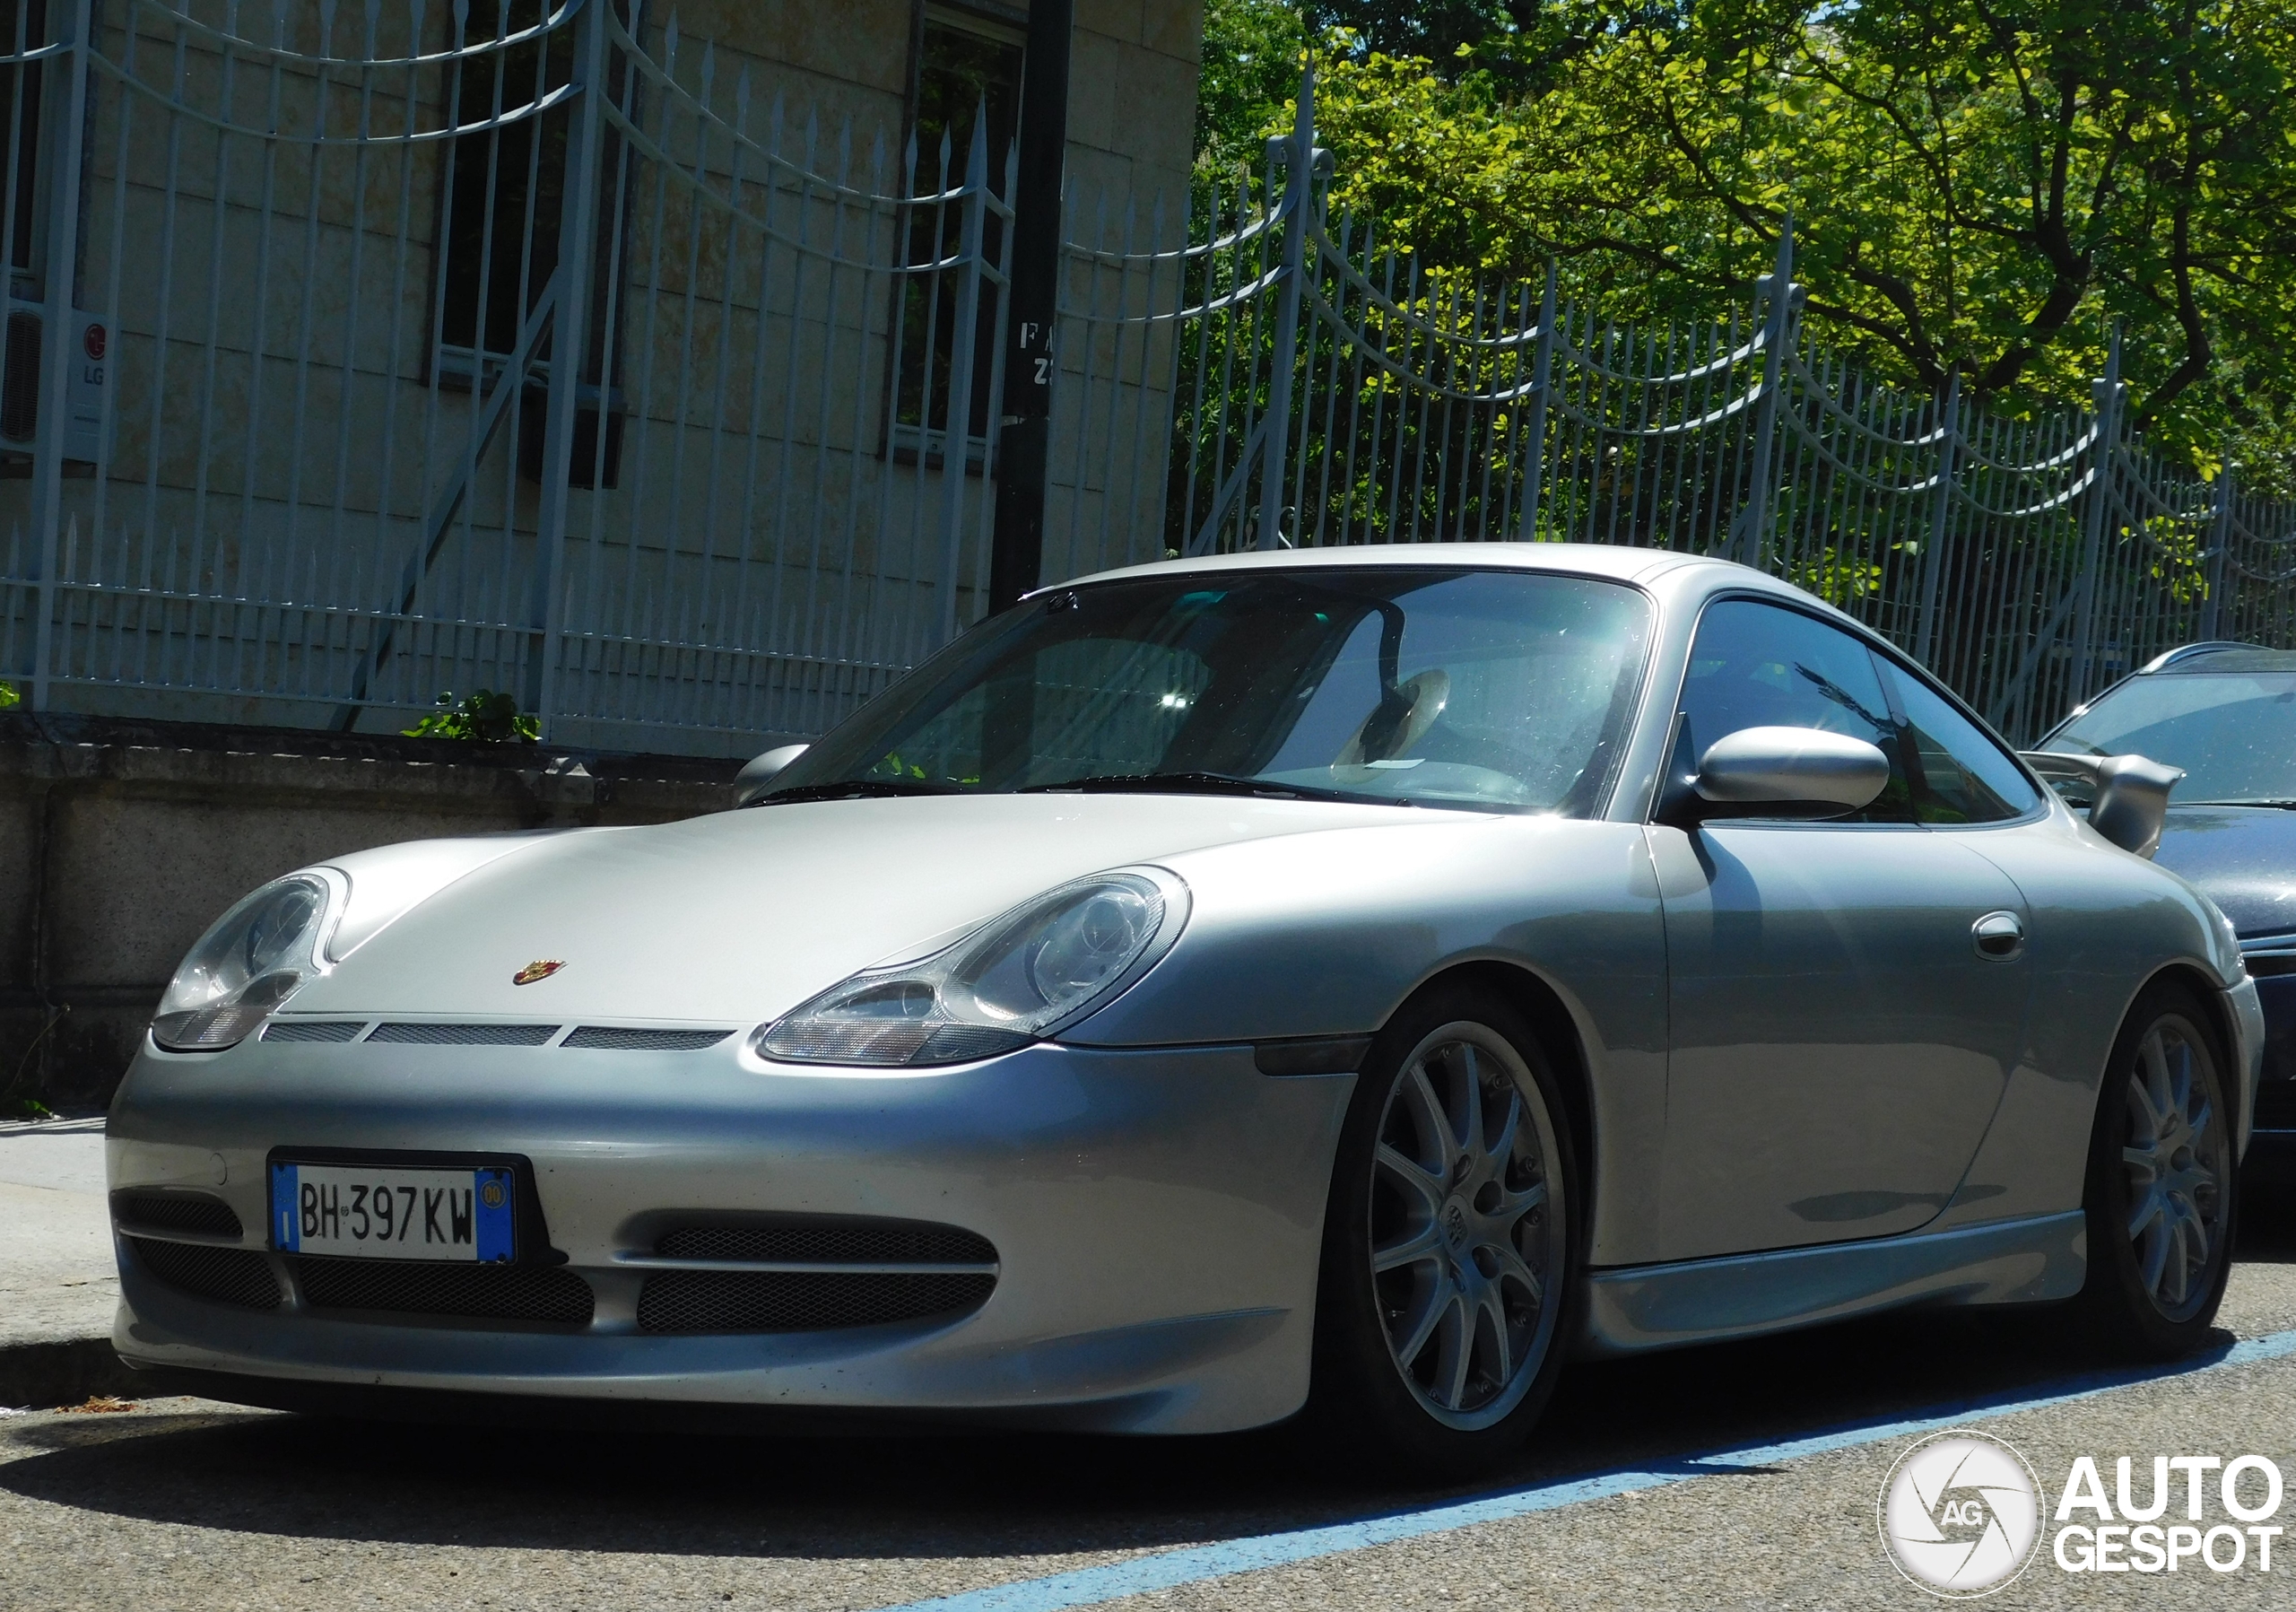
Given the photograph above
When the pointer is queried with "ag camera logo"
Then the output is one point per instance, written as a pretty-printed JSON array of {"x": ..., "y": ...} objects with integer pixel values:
[{"x": 1961, "y": 1514}]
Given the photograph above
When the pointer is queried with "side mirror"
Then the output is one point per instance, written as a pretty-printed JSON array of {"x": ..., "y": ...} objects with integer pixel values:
[
  {"x": 1791, "y": 765},
  {"x": 751, "y": 782},
  {"x": 2128, "y": 795}
]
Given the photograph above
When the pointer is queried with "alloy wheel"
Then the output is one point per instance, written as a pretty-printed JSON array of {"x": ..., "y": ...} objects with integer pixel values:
[
  {"x": 2175, "y": 1161},
  {"x": 1467, "y": 1226}
]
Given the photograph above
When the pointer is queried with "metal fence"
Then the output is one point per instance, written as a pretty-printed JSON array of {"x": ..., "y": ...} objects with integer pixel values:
[
  {"x": 358, "y": 351},
  {"x": 1332, "y": 391},
  {"x": 302, "y": 432}
]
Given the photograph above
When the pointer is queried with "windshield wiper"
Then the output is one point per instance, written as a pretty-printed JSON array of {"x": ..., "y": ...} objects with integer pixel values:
[
  {"x": 857, "y": 788},
  {"x": 2262, "y": 800},
  {"x": 1183, "y": 783}
]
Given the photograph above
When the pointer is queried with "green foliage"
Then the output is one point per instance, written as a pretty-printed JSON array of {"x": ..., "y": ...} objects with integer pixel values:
[
  {"x": 1981, "y": 187},
  {"x": 9, "y": 696},
  {"x": 1839, "y": 578},
  {"x": 2171, "y": 555},
  {"x": 1251, "y": 67},
  {"x": 486, "y": 717}
]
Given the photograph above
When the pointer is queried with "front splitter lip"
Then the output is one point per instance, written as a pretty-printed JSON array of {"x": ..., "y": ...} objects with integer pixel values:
[
  {"x": 881, "y": 1368},
  {"x": 1156, "y": 1215}
]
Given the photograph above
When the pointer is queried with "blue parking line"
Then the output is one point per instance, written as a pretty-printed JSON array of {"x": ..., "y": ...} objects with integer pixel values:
[{"x": 1164, "y": 1570}]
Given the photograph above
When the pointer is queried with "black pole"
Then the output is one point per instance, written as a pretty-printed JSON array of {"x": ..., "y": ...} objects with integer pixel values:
[{"x": 1016, "y": 554}]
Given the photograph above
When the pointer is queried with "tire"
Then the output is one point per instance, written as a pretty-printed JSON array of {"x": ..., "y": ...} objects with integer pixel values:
[
  {"x": 2162, "y": 1194},
  {"x": 1445, "y": 1358}
]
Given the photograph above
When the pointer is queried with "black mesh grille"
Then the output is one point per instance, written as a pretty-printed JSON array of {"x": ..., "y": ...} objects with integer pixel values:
[
  {"x": 755, "y": 1301},
  {"x": 465, "y": 1035},
  {"x": 513, "y": 1293},
  {"x": 831, "y": 1242},
  {"x": 313, "y": 1030},
  {"x": 2276, "y": 1105},
  {"x": 175, "y": 1212},
  {"x": 232, "y": 1276},
  {"x": 606, "y": 1038}
]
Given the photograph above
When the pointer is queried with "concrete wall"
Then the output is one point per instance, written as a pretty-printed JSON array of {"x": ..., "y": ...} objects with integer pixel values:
[{"x": 118, "y": 846}]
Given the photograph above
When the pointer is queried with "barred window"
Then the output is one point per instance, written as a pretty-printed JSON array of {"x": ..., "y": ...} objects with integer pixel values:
[{"x": 967, "y": 64}]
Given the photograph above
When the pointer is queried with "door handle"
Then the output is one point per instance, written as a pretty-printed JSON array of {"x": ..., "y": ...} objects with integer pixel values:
[{"x": 1999, "y": 937}]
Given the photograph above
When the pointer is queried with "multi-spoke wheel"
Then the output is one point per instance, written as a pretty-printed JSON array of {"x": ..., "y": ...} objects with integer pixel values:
[
  {"x": 2160, "y": 1189},
  {"x": 2176, "y": 1161},
  {"x": 1448, "y": 1252}
]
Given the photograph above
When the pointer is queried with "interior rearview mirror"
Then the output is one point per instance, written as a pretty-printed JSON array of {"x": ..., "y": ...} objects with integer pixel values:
[
  {"x": 2128, "y": 795},
  {"x": 758, "y": 773},
  {"x": 1799, "y": 766}
]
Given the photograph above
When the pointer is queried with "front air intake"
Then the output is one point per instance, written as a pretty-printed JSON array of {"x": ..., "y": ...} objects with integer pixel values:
[
  {"x": 547, "y": 1294},
  {"x": 782, "y": 1301},
  {"x": 313, "y": 1030},
  {"x": 830, "y": 1243},
  {"x": 156, "y": 1209},
  {"x": 833, "y": 1273},
  {"x": 240, "y": 1277},
  {"x": 610, "y": 1038},
  {"x": 465, "y": 1035}
]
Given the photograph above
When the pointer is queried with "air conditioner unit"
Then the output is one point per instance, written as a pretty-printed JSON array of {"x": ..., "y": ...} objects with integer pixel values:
[{"x": 22, "y": 352}]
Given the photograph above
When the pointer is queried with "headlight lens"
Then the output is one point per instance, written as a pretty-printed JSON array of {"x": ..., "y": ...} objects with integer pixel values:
[
  {"x": 251, "y": 961},
  {"x": 1015, "y": 980}
]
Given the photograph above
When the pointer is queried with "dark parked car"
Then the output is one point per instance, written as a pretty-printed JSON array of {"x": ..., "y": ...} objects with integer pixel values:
[{"x": 2225, "y": 713}]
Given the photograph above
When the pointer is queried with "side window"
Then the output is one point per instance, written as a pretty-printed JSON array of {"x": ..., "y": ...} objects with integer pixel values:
[
  {"x": 1759, "y": 666},
  {"x": 1954, "y": 771}
]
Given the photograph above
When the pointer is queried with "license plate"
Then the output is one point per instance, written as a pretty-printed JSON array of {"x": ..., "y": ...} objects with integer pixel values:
[{"x": 373, "y": 1213}]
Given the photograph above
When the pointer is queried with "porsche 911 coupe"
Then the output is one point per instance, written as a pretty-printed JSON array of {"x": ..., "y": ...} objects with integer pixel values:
[{"x": 1357, "y": 981}]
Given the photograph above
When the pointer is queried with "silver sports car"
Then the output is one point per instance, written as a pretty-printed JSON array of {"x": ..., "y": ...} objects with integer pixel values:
[{"x": 1357, "y": 980}]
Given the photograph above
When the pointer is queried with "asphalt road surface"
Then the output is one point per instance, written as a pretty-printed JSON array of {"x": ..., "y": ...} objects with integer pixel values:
[{"x": 1745, "y": 1476}]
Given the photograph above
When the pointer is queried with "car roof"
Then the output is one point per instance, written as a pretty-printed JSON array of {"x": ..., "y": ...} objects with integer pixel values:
[
  {"x": 2222, "y": 655},
  {"x": 1613, "y": 562}
]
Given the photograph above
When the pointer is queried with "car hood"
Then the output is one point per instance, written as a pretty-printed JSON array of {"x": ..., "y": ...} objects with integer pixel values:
[
  {"x": 742, "y": 915},
  {"x": 2241, "y": 858}
]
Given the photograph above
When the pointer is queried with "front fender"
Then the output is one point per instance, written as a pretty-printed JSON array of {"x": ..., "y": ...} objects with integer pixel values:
[{"x": 1328, "y": 933}]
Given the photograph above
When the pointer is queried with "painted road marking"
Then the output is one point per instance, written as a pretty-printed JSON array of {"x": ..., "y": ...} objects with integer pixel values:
[{"x": 1165, "y": 1570}]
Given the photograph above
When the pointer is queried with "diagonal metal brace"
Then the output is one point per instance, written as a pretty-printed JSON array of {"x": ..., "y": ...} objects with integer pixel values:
[{"x": 496, "y": 409}]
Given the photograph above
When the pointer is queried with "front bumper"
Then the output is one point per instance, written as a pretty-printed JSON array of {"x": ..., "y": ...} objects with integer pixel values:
[
  {"x": 2272, "y": 1148},
  {"x": 1156, "y": 1216}
]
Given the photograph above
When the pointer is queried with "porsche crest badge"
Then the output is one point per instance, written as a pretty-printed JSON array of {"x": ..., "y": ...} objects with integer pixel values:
[{"x": 541, "y": 968}]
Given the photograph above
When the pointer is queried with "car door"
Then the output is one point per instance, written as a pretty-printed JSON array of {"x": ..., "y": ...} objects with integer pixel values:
[{"x": 1838, "y": 1041}]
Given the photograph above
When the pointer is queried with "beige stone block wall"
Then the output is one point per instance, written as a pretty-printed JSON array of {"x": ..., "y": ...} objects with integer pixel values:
[
  {"x": 115, "y": 856},
  {"x": 745, "y": 435}
]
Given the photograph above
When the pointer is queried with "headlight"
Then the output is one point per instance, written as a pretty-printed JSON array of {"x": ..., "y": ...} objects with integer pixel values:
[
  {"x": 249, "y": 963},
  {"x": 1019, "y": 979}
]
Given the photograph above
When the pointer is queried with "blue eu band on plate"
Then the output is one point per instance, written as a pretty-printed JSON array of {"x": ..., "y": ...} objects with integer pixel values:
[{"x": 376, "y": 1213}]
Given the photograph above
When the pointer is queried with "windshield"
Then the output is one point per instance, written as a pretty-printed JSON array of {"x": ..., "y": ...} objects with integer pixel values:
[
  {"x": 1496, "y": 689},
  {"x": 2234, "y": 733}
]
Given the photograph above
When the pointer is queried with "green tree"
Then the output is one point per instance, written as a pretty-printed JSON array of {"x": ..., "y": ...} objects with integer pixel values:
[{"x": 1981, "y": 187}]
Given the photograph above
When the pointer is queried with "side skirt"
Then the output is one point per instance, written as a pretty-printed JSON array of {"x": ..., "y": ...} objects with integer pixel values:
[{"x": 1633, "y": 1308}]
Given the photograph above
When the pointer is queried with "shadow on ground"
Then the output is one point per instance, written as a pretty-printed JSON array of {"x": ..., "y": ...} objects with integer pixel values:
[{"x": 863, "y": 1498}]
